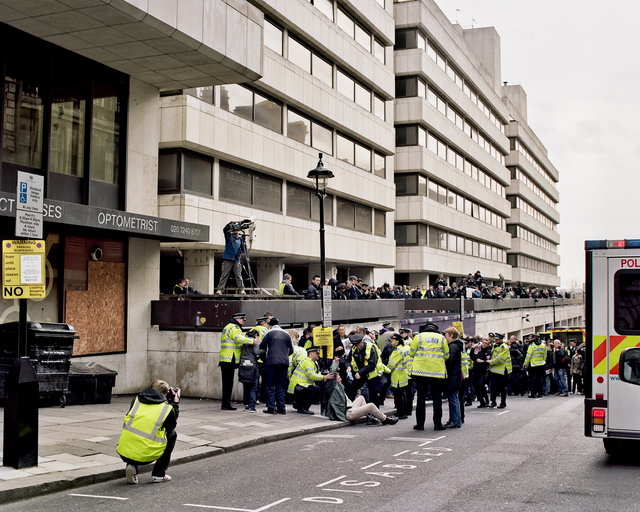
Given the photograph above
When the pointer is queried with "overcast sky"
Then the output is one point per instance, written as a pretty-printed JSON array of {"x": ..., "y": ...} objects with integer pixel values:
[{"x": 578, "y": 63}]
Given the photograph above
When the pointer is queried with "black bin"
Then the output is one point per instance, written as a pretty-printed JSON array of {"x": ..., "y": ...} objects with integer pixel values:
[
  {"x": 49, "y": 346},
  {"x": 90, "y": 383}
]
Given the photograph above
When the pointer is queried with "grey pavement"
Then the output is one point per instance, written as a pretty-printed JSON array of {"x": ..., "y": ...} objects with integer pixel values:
[{"x": 77, "y": 444}]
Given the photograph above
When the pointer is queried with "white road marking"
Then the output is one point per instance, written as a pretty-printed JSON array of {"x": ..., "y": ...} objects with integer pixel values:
[
  {"x": 331, "y": 481},
  {"x": 98, "y": 496},
  {"x": 501, "y": 413},
  {"x": 343, "y": 490},
  {"x": 213, "y": 427},
  {"x": 239, "y": 509},
  {"x": 421, "y": 439},
  {"x": 371, "y": 465}
]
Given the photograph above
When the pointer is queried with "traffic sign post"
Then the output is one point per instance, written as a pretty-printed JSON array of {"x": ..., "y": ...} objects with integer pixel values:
[{"x": 23, "y": 275}]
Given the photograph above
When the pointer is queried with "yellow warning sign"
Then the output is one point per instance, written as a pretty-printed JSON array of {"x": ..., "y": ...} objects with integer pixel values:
[
  {"x": 459, "y": 328},
  {"x": 23, "y": 269},
  {"x": 323, "y": 337}
]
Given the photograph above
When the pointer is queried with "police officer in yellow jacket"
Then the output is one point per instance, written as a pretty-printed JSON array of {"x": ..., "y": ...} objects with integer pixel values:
[
  {"x": 429, "y": 350},
  {"x": 499, "y": 369},
  {"x": 303, "y": 381},
  {"x": 366, "y": 368},
  {"x": 231, "y": 343},
  {"x": 148, "y": 433},
  {"x": 399, "y": 377},
  {"x": 535, "y": 361}
]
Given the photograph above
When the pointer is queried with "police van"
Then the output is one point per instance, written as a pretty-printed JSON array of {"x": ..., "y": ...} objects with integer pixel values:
[{"x": 612, "y": 366}]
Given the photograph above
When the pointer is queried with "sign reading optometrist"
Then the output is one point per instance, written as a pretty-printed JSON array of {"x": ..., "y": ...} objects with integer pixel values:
[
  {"x": 29, "y": 204},
  {"x": 23, "y": 269}
]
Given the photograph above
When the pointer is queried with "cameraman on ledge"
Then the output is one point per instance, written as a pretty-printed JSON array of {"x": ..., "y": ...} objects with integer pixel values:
[
  {"x": 231, "y": 257},
  {"x": 148, "y": 433}
]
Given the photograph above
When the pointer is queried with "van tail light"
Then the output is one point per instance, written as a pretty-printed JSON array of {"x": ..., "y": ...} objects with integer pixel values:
[{"x": 597, "y": 419}]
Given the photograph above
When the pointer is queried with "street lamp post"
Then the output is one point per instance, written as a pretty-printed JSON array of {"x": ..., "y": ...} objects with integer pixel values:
[{"x": 321, "y": 177}]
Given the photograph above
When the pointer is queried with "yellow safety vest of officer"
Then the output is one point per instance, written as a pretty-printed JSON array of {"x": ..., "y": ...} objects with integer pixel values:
[
  {"x": 428, "y": 353},
  {"x": 500, "y": 357},
  {"x": 465, "y": 361},
  {"x": 380, "y": 367},
  {"x": 536, "y": 353},
  {"x": 398, "y": 363},
  {"x": 306, "y": 373},
  {"x": 142, "y": 438},
  {"x": 232, "y": 340},
  {"x": 299, "y": 354}
]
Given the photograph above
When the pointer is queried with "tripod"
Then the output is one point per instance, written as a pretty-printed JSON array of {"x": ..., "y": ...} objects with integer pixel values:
[{"x": 246, "y": 265}]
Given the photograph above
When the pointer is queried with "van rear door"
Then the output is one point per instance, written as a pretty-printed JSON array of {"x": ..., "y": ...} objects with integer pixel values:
[{"x": 623, "y": 341}]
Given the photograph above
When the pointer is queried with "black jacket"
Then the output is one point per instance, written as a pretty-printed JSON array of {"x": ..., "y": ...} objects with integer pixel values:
[
  {"x": 454, "y": 365},
  {"x": 517, "y": 358},
  {"x": 359, "y": 355},
  {"x": 313, "y": 292},
  {"x": 480, "y": 363},
  {"x": 278, "y": 345},
  {"x": 561, "y": 359},
  {"x": 151, "y": 396}
]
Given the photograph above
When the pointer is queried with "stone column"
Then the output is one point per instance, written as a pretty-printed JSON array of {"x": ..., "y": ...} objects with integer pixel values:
[
  {"x": 198, "y": 268},
  {"x": 269, "y": 273}
]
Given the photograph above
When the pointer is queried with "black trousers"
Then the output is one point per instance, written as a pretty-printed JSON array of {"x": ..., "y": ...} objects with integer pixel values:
[
  {"x": 435, "y": 386},
  {"x": 400, "y": 401},
  {"x": 479, "y": 383},
  {"x": 499, "y": 386},
  {"x": 461, "y": 392},
  {"x": 374, "y": 386},
  {"x": 536, "y": 379},
  {"x": 304, "y": 397},
  {"x": 161, "y": 465},
  {"x": 409, "y": 392},
  {"x": 227, "y": 370}
]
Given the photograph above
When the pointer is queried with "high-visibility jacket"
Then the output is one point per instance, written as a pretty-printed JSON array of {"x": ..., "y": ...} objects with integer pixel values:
[
  {"x": 380, "y": 366},
  {"x": 500, "y": 359},
  {"x": 428, "y": 352},
  {"x": 536, "y": 354},
  {"x": 231, "y": 343},
  {"x": 296, "y": 358},
  {"x": 423, "y": 293},
  {"x": 143, "y": 439},
  {"x": 398, "y": 366},
  {"x": 465, "y": 360},
  {"x": 369, "y": 346},
  {"x": 305, "y": 374},
  {"x": 281, "y": 287}
]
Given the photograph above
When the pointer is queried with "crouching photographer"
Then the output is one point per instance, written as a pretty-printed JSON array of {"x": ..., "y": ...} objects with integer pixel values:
[{"x": 148, "y": 433}]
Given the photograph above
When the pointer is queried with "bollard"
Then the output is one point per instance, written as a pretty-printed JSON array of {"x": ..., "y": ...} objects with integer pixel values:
[{"x": 21, "y": 416}]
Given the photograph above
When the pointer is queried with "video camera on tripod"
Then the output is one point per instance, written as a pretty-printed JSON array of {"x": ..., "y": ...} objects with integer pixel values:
[{"x": 244, "y": 225}]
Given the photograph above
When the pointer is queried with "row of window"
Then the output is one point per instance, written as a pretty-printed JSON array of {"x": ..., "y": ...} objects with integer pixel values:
[
  {"x": 184, "y": 171},
  {"x": 258, "y": 108},
  {"x": 520, "y": 204},
  {"x": 415, "y": 135},
  {"x": 363, "y": 37},
  {"x": 522, "y": 261},
  {"x": 409, "y": 38},
  {"x": 516, "y": 145},
  {"x": 412, "y": 86},
  {"x": 517, "y": 174},
  {"x": 531, "y": 237},
  {"x": 416, "y": 184},
  {"x": 423, "y": 235},
  {"x": 313, "y": 63}
]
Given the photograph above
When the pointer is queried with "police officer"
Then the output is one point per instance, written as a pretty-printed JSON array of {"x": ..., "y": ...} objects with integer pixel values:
[
  {"x": 231, "y": 343},
  {"x": 480, "y": 357},
  {"x": 303, "y": 381},
  {"x": 148, "y": 433},
  {"x": 399, "y": 379},
  {"x": 499, "y": 368},
  {"x": 535, "y": 361},
  {"x": 429, "y": 350},
  {"x": 366, "y": 368}
]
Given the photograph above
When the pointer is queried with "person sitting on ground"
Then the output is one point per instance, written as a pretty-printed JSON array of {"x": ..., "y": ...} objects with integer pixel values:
[{"x": 141, "y": 441}]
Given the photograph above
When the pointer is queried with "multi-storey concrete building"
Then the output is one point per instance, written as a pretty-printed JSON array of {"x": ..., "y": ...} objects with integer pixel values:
[
  {"x": 453, "y": 131},
  {"x": 234, "y": 151}
]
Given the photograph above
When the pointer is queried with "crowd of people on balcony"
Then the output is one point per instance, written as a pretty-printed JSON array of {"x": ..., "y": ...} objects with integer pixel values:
[{"x": 472, "y": 286}]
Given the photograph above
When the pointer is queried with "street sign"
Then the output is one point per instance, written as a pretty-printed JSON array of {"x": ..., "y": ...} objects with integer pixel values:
[
  {"x": 23, "y": 269},
  {"x": 326, "y": 306},
  {"x": 29, "y": 205},
  {"x": 459, "y": 327}
]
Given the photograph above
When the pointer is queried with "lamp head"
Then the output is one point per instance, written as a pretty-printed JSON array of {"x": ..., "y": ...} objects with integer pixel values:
[{"x": 320, "y": 175}]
